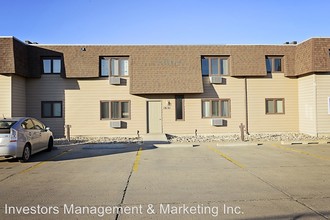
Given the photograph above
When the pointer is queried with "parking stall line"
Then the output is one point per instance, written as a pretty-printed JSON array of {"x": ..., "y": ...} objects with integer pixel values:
[
  {"x": 301, "y": 152},
  {"x": 32, "y": 167},
  {"x": 43, "y": 162},
  {"x": 137, "y": 160},
  {"x": 269, "y": 183},
  {"x": 226, "y": 157}
]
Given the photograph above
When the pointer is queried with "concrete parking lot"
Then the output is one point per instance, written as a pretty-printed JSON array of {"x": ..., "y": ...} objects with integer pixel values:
[{"x": 207, "y": 181}]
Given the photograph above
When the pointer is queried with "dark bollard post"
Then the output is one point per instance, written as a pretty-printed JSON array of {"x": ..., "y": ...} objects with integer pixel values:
[{"x": 241, "y": 127}]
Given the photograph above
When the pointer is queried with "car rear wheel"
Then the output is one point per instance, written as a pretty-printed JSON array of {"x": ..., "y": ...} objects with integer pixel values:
[
  {"x": 26, "y": 153},
  {"x": 50, "y": 144}
]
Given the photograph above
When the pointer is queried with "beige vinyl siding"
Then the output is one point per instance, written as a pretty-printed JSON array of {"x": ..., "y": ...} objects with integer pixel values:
[
  {"x": 82, "y": 110},
  {"x": 307, "y": 104},
  {"x": 5, "y": 96},
  {"x": 48, "y": 88},
  {"x": 18, "y": 96},
  {"x": 323, "y": 93},
  {"x": 81, "y": 106},
  {"x": 277, "y": 86},
  {"x": 233, "y": 89}
]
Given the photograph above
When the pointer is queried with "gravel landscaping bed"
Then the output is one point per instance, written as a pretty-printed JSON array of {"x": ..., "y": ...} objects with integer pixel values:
[
  {"x": 260, "y": 137},
  {"x": 97, "y": 140},
  {"x": 250, "y": 138}
]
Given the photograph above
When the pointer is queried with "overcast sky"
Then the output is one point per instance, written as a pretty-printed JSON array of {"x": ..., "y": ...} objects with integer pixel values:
[{"x": 164, "y": 21}]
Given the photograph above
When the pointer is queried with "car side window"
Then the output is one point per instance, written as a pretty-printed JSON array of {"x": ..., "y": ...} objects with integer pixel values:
[
  {"x": 27, "y": 124},
  {"x": 38, "y": 125}
]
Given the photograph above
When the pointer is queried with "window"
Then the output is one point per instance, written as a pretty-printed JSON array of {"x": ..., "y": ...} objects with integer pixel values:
[
  {"x": 179, "y": 107},
  {"x": 52, "y": 65},
  {"x": 115, "y": 109},
  {"x": 215, "y": 108},
  {"x": 274, "y": 64},
  {"x": 6, "y": 124},
  {"x": 105, "y": 67},
  {"x": 215, "y": 66},
  {"x": 38, "y": 125},
  {"x": 114, "y": 66},
  {"x": 51, "y": 109},
  {"x": 105, "y": 110},
  {"x": 27, "y": 124},
  {"x": 275, "y": 106}
]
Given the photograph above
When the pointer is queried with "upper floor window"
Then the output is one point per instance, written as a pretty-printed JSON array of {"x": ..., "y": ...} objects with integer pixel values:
[
  {"x": 274, "y": 64},
  {"x": 51, "y": 65},
  {"x": 215, "y": 66},
  {"x": 214, "y": 108},
  {"x": 114, "y": 66}
]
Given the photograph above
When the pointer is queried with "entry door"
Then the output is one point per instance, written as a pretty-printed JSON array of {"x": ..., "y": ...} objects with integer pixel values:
[{"x": 155, "y": 117}]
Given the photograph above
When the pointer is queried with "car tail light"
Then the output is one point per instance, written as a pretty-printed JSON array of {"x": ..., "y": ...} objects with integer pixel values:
[{"x": 13, "y": 135}]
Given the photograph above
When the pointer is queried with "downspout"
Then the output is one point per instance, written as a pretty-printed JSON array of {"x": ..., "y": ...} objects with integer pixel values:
[
  {"x": 246, "y": 107},
  {"x": 315, "y": 98}
]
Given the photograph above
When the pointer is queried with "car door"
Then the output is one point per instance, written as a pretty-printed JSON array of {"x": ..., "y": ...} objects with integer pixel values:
[
  {"x": 44, "y": 135},
  {"x": 31, "y": 134}
]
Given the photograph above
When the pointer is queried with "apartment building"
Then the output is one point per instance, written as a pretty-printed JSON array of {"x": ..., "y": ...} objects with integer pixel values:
[{"x": 107, "y": 90}]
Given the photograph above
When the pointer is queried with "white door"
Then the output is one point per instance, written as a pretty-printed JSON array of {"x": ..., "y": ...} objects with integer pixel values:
[{"x": 155, "y": 117}]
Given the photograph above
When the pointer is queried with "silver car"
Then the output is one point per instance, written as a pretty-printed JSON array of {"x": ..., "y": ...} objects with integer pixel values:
[{"x": 22, "y": 137}]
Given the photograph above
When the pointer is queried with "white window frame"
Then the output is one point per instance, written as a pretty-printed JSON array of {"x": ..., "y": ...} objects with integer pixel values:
[
  {"x": 220, "y": 66},
  {"x": 114, "y": 66}
]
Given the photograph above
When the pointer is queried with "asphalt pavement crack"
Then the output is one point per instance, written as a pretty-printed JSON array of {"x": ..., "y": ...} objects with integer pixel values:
[
  {"x": 288, "y": 195},
  {"x": 126, "y": 187}
]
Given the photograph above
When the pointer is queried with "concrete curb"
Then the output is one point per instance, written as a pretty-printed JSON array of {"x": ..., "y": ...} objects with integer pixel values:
[
  {"x": 174, "y": 145},
  {"x": 239, "y": 144},
  {"x": 305, "y": 142}
]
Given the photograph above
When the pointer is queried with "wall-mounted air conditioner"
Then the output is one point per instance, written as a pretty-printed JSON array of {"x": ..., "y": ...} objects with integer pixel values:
[
  {"x": 115, "y": 80},
  {"x": 115, "y": 124},
  {"x": 216, "y": 79},
  {"x": 218, "y": 122}
]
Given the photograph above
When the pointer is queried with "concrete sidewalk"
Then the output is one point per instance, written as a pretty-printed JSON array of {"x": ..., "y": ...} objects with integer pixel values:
[{"x": 154, "y": 139}]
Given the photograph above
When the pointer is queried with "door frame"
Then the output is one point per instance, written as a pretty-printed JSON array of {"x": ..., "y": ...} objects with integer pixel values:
[{"x": 161, "y": 114}]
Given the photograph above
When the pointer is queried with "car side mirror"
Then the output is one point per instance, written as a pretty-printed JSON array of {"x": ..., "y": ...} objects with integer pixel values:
[{"x": 47, "y": 128}]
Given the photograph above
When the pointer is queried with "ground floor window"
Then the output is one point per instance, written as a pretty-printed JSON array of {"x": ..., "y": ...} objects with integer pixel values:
[
  {"x": 275, "y": 106},
  {"x": 179, "y": 107},
  {"x": 105, "y": 111},
  {"x": 115, "y": 109},
  {"x": 51, "y": 109},
  {"x": 215, "y": 108}
]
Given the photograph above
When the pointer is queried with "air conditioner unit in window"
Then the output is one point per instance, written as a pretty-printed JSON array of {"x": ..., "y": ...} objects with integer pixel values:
[
  {"x": 114, "y": 80},
  {"x": 115, "y": 124},
  {"x": 216, "y": 79},
  {"x": 217, "y": 122}
]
